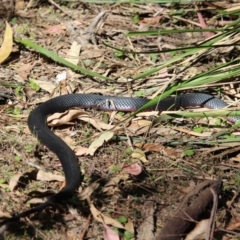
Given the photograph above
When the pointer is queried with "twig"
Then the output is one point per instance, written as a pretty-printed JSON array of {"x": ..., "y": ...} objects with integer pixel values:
[
  {"x": 59, "y": 7},
  {"x": 82, "y": 235},
  {"x": 211, "y": 228}
]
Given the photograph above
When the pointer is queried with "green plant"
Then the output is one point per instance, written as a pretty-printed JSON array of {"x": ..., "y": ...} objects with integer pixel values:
[
  {"x": 2, "y": 181},
  {"x": 17, "y": 158},
  {"x": 34, "y": 85},
  {"x": 115, "y": 168},
  {"x": 189, "y": 152},
  {"x": 18, "y": 91},
  {"x": 118, "y": 54},
  {"x": 198, "y": 129},
  {"x": 14, "y": 110},
  {"x": 136, "y": 19},
  {"x": 29, "y": 148},
  {"x": 122, "y": 219}
]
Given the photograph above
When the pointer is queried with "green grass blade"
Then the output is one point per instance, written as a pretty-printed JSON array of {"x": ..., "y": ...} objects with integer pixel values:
[
  {"x": 58, "y": 59},
  {"x": 212, "y": 113}
]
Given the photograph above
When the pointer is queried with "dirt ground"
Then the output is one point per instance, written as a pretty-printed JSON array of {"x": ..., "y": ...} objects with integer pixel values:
[{"x": 139, "y": 176}]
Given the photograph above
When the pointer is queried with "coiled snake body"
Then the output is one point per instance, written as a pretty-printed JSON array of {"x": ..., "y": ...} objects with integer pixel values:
[{"x": 37, "y": 125}]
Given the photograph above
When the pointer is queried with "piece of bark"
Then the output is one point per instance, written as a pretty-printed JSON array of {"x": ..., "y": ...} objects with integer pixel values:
[
  {"x": 190, "y": 211},
  {"x": 146, "y": 229}
]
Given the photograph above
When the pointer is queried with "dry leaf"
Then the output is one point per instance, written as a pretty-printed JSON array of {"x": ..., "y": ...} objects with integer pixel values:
[
  {"x": 167, "y": 151},
  {"x": 100, "y": 125},
  {"x": 4, "y": 186},
  {"x": 25, "y": 70},
  {"x": 73, "y": 53},
  {"x": 87, "y": 192},
  {"x": 112, "y": 185},
  {"x": 79, "y": 150},
  {"x": 103, "y": 91},
  {"x": 151, "y": 20},
  {"x": 5, "y": 215},
  {"x": 151, "y": 146},
  {"x": 45, "y": 85},
  {"x": 200, "y": 230},
  {"x": 39, "y": 100},
  {"x": 68, "y": 140},
  {"x": 7, "y": 44},
  {"x": 36, "y": 175},
  {"x": 90, "y": 54},
  {"x": 14, "y": 128},
  {"x": 146, "y": 229},
  {"x": 14, "y": 181},
  {"x": 133, "y": 169},
  {"x": 58, "y": 119},
  {"x": 108, "y": 220},
  {"x": 104, "y": 137},
  {"x": 19, "y": 5},
  {"x": 56, "y": 29},
  {"x": 138, "y": 127},
  {"x": 204, "y": 134},
  {"x": 46, "y": 176},
  {"x": 139, "y": 154},
  {"x": 36, "y": 201},
  {"x": 109, "y": 234},
  {"x": 234, "y": 225}
]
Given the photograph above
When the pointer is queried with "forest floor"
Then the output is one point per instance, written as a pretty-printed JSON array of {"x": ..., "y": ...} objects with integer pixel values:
[{"x": 136, "y": 176}]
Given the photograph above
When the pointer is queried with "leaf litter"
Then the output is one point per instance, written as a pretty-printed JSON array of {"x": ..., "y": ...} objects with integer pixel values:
[{"x": 128, "y": 192}]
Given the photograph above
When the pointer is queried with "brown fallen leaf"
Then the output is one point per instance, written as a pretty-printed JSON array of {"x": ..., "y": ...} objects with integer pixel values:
[
  {"x": 46, "y": 176},
  {"x": 63, "y": 185},
  {"x": 58, "y": 119},
  {"x": 87, "y": 192},
  {"x": 90, "y": 54},
  {"x": 204, "y": 134},
  {"x": 234, "y": 225},
  {"x": 167, "y": 151},
  {"x": 133, "y": 169},
  {"x": 4, "y": 186},
  {"x": 73, "y": 54},
  {"x": 14, "y": 181},
  {"x": 200, "y": 230},
  {"x": 98, "y": 124},
  {"x": 36, "y": 175},
  {"x": 5, "y": 215},
  {"x": 139, "y": 154},
  {"x": 103, "y": 91},
  {"x": 100, "y": 217},
  {"x": 79, "y": 150},
  {"x": 13, "y": 128},
  {"x": 7, "y": 44},
  {"x": 25, "y": 70},
  {"x": 39, "y": 196},
  {"x": 155, "y": 147},
  {"x": 151, "y": 21},
  {"x": 36, "y": 201},
  {"x": 111, "y": 187},
  {"x": 68, "y": 140},
  {"x": 19, "y": 5},
  {"x": 146, "y": 229},
  {"x": 48, "y": 86},
  {"x": 56, "y": 29},
  {"x": 138, "y": 127},
  {"x": 104, "y": 137}
]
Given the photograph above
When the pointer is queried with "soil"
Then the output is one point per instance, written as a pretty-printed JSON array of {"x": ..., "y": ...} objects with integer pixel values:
[{"x": 140, "y": 176}]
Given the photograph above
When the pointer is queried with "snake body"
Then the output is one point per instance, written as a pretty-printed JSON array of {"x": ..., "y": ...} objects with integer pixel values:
[{"x": 38, "y": 126}]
